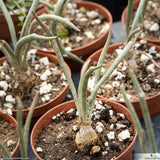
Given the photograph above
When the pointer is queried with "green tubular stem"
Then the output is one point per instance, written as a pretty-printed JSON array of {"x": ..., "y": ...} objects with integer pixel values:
[
  {"x": 10, "y": 56},
  {"x": 129, "y": 17},
  {"x": 9, "y": 22},
  {"x": 135, "y": 119},
  {"x": 108, "y": 73},
  {"x": 28, "y": 121},
  {"x": 83, "y": 93},
  {"x": 20, "y": 44},
  {"x": 53, "y": 18},
  {"x": 102, "y": 57},
  {"x": 140, "y": 11},
  {"x": 145, "y": 112},
  {"x": 28, "y": 18}
]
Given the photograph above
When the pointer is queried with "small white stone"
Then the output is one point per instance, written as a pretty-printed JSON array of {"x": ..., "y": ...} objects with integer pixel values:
[
  {"x": 2, "y": 94},
  {"x": 157, "y": 81},
  {"x": 106, "y": 144},
  {"x": 54, "y": 117},
  {"x": 118, "y": 126},
  {"x": 99, "y": 127},
  {"x": 64, "y": 159},
  {"x": 104, "y": 153},
  {"x": 47, "y": 97},
  {"x": 154, "y": 27},
  {"x": 8, "y": 105},
  {"x": 71, "y": 110},
  {"x": 118, "y": 51},
  {"x": 9, "y": 111},
  {"x": 83, "y": 19},
  {"x": 143, "y": 41},
  {"x": 10, "y": 99},
  {"x": 111, "y": 112},
  {"x": 122, "y": 115},
  {"x": 76, "y": 151},
  {"x": 10, "y": 142},
  {"x": 79, "y": 39},
  {"x": 39, "y": 149},
  {"x": 99, "y": 106},
  {"x": 44, "y": 75},
  {"x": 16, "y": 85},
  {"x": 31, "y": 53},
  {"x": 45, "y": 89},
  {"x": 137, "y": 45},
  {"x": 111, "y": 126},
  {"x": 5, "y": 64},
  {"x": 111, "y": 135},
  {"x": 36, "y": 67},
  {"x": 144, "y": 58},
  {"x": 63, "y": 76},
  {"x": 104, "y": 28},
  {"x": 64, "y": 84},
  {"x": 151, "y": 68},
  {"x": 89, "y": 34},
  {"x": 108, "y": 86},
  {"x": 69, "y": 96},
  {"x": 55, "y": 89},
  {"x": 96, "y": 21},
  {"x": 124, "y": 135},
  {"x": 4, "y": 85},
  {"x": 43, "y": 99},
  {"x": 124, "y": 68},
  {"x": 75, "y": 128},
  {"x": 115, "y": 83},
  {"x": 44, "y": 60},
  {"x": 68, "y": 48},
  {"x": 92, "y": 14}
]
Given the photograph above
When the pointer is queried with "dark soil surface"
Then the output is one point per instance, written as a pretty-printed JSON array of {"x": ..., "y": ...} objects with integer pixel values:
[
  {"x": 56, "y": 141},
  {"x": 151, "y": 22},
  {"x": 91, "y": 24},
  {"x": 147, "y": 72},
  {"x": 8, "y": 136},
  {"x": 47, "y": 79}
]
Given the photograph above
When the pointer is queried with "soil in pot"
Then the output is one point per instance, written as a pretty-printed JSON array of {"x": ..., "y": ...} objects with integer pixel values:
[
  {"x": 90, "y": 22},
  {"x": 8, "y": 136},
  {"x": 43, "y": 75},
  {"x": 56, "y": 141},
  {"x": 151, "y": 22},
  {"x": 147, "y": 59}
]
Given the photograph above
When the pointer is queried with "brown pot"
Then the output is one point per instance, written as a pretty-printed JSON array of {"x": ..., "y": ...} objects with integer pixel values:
[
  {"x": 86, "y": 50},
  {"x": 123, "y": 20},
  {"x": 153, "y": 102},
  {"x": 12, "y": 121},
  {"x": 64, "y": 107},
  {"x": 40, "y": 110},
  {"x": 4, "y": 30}
]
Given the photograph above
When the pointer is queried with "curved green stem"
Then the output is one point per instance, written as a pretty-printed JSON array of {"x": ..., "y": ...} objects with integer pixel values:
[
  {"x": 20, "y": 44},
  {"x": 28, "y": 18},
  {"x": 9, "y": 22},
  {"x": 83, "y": 93}
]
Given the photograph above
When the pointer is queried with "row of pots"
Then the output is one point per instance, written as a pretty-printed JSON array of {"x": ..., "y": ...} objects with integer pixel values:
[
  {"x": 83, "y": 51},
  {"x": 153, "y": 104}
]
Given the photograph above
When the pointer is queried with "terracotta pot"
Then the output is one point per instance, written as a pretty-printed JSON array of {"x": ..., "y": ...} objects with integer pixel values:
[
  {"x": 64, "y": 107},
  {"x": 12, "y": 121},
  {"x": 4, "y": 30},
  {"x": 153, "y": 101},
  {"x": 123, "y": 20},
  {"x": 86, "y": 50},
  {"x": 40, "y": 110}
]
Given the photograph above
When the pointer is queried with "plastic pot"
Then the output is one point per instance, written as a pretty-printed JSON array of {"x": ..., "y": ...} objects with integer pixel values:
[
  {"x": 12, "y": 121},
  {"x": 4, "y": 30},
  {"x": 40, "y": 110},
  {"x": 123, "y": 20},
  {"x": 64, "y": 107},
  {"x": 86, "y": 50},
  {"x": 153, "y": 101}
]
